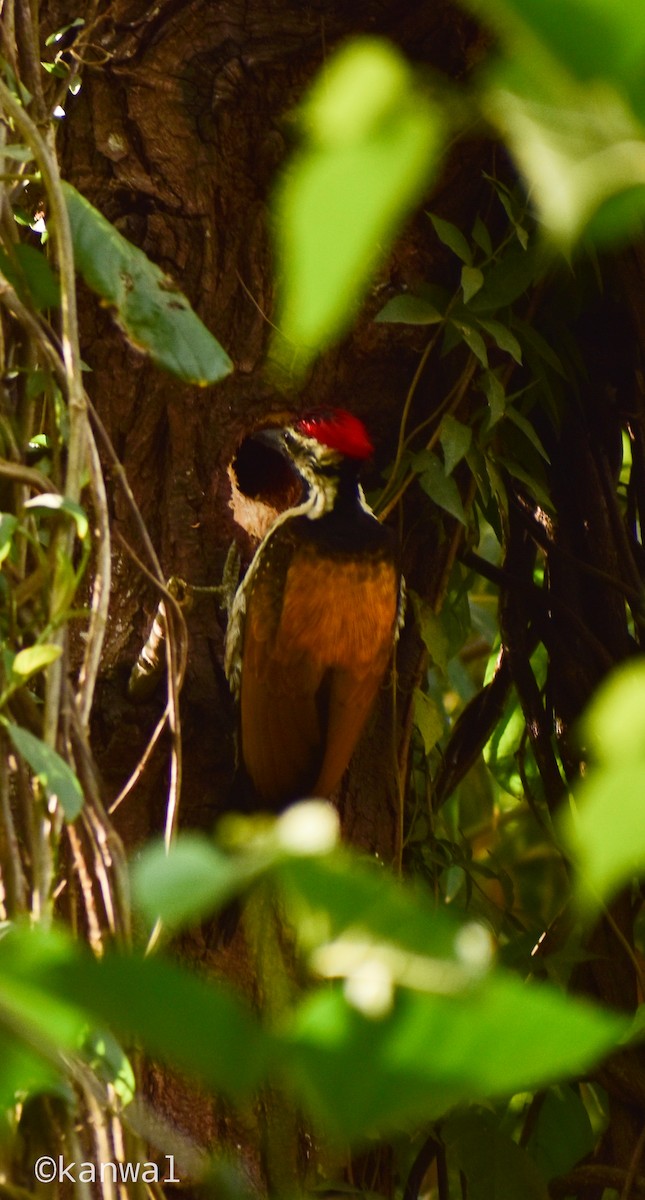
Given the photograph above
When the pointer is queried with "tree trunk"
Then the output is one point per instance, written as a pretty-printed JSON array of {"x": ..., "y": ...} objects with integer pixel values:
[
  {"x": 177, "y": 133},
  {"x": 176, "y": 136}
]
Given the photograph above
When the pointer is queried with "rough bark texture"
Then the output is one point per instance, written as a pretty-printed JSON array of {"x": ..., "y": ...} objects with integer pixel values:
[{"x": 176, "y": 136}]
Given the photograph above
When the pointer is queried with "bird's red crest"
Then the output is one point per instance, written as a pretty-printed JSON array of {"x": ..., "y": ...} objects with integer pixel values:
[{"x": 338, "y": 429}]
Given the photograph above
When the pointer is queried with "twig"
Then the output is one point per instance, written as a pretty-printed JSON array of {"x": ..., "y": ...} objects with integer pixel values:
[
  {"x": 88, "y": 673},
  {"x": 95, "y": 937}
]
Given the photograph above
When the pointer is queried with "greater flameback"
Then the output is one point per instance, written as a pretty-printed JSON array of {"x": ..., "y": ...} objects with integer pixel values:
[{"x": 314, "y": 620}]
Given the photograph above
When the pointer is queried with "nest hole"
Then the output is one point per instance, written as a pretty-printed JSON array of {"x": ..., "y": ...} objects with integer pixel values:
[{"x": 263, "y": 485}]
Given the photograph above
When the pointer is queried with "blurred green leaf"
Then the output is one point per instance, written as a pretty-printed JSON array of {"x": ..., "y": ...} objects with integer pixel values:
[
  {"x": 58, "y": 779},
  {"x": 343, "y": 896},
  {"x": 349, "y": 186},
  {"x": 23, "y": 1072},
  {"x": 432, "y": 1051},
  {"x": 155, "y": 316},
  {"x": 30, "y": 274},
  {"x": 196, "y": 1026},
  {"x": 190, "y": 881},
  {"x": 46, "y": 1024},
  {"x": 577, "y": 145},
  {"x": 18, "y": 152},
  {"x": 361, "y": 87},
  {"x": 611, "y": 852},
  {"x": 53, "y": 502},
  {"x": 108, "y": 1061},
  {"x": 33, "y": 659},
  {"x": 593, "y": 39},
  {"x": 8, "y": 526},
  {"x": 613, "y": 726},
  {"x": 606, "y": 833}
]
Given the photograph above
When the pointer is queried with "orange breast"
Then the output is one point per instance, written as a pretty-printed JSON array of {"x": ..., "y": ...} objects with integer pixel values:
[
  {"x": 312, "y": 667},
  {"x": 340, "y": 614}
]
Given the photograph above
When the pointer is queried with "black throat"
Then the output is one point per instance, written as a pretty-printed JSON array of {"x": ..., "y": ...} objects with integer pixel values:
[{"x": 347, "y": 528}]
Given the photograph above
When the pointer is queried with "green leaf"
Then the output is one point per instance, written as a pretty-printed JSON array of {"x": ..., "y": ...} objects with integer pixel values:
[
  {"x": 472, "y": 338},
  {"x": 42, "y": 284},
  {"x": 341, "y": 201},
  {"x": 58, "y": 779},
  {"x": 409, "y": 310},
  {"x": 28, "y": 662},
  {"x": 47, "y": 1023},
  {"x": 339, "y": 898},
  {"x": 359, "y": 89},
  {"x": 613, "y": 727},
  {"x": 428, "y": 720},
  {"x": 455, "y": 442},
  {"x": 509, "y": 279},
  {"x": 472, "y": 279},
  {"x": 493, "y": 390},
  {"x": 610, "y": 852},
  {"x": 502, "y": 751},
  {"x": 187, "y": 883},
  {"x": 17, "y": 152},
  {"x": 22, "y": 1072},
  {"x": 531, "y": 481},
  {"x": 155, "y": 316},
  {"x": 53, "y": 502},
  {"x": 481, "y": 237},
  {"x": 439, "y": 487},
  {"x": 503, "y": 337},
  {"x": 431, "y": 1051},
  {"x": 593, "y": 40},
  {"x": 562, "y": 1134},
  {"x": 109, "y": 1063},
  {"x": 8, "y": 526},
  {"x": 53, "y": 38},
  {"x": 452, "y": 237},
  {"x": 432, "y": 632},
  {"x": 494, "y": 1166},
  {"x": 533, "y": 339},
  {"x": 192, "y": 1024},
  {"x": 527, "y": 429},
  {"x": 578, "y": 146},
  {"x": 197, "y": 1026}
]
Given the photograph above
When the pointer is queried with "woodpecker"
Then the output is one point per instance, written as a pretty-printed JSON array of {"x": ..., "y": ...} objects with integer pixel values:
[{"x": 314, "y": 621}]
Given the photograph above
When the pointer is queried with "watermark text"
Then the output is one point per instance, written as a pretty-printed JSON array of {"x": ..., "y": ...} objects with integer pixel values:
[{"x": 54, "y": 1169}]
